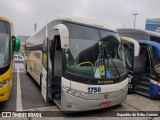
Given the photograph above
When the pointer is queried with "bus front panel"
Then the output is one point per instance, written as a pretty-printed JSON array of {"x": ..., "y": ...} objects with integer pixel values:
[
  {"x": 93, "y": 67},
  {"x": 83, "y": 97}
]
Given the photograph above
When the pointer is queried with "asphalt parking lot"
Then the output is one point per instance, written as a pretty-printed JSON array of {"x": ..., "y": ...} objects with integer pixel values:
[{"x": 26, "y": 96}]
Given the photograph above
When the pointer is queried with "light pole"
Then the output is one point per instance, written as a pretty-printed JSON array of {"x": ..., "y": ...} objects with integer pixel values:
[
  {"x": 35, "y": 27},
  {"x": 135, "y": 14}
]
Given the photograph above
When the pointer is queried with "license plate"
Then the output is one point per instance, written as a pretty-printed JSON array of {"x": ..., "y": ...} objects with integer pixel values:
[{"x": 105, "y": 104}]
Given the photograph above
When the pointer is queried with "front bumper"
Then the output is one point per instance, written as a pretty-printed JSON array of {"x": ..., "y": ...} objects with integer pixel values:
[
  {"x": 4, "y": 92},
  {"x": 75, "y": 104}
]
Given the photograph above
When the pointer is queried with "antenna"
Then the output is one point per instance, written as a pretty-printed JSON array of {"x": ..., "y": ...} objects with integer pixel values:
[{"x": 35, "y": 27}]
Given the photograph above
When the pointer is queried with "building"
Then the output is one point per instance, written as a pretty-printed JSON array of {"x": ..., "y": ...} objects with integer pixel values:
[{"x": 153, "y": 25}]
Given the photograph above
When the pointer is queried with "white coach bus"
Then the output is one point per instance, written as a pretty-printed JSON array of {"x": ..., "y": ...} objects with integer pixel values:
[{"x": 77, "y": 64}]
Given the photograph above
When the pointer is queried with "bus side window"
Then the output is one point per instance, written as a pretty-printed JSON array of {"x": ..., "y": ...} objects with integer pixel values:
[{"x": 44, "y": 54}]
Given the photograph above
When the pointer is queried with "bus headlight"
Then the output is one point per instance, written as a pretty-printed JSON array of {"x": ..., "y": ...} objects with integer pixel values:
[
  {"x": 66, "y": 89},
  {"x": 77, "y": 93},
  {"x": 74, "y": 92},
  {"x": 2, "y": 84}
]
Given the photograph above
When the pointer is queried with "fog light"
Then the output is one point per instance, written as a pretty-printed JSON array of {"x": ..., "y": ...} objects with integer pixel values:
[
  {"x": 2, "y": 84},
  {"x": 69, "y": 105}
]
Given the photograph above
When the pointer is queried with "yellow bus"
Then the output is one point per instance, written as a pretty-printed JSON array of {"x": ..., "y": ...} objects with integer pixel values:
[{"x": 8, "y": 44}]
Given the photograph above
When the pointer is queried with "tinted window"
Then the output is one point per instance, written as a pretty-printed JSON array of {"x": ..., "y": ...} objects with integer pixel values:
[
  {"x": 83, "y": 32},
  {"x": 4, "y": 27},
  {"x": 111, "y": 41},
  {"x": 154, "y": 56},
  {"x": 44, "y": 54},
  {"x": 81, "y": 37},
  {"x": 92, "y": 50},
  {"x": 4, "y": 43},
  {"x": 135, "y": 36},
  {"x": 155, "y": 39}
]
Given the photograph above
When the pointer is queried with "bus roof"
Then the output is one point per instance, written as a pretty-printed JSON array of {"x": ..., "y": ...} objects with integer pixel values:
[
  {"x": 79, "y": 20},
  {"x": 155, "y": 44},
  {"x": 84, "y": 21},
  {"x": 148, "y": 33},
  {"x": 5, "y": 19}
]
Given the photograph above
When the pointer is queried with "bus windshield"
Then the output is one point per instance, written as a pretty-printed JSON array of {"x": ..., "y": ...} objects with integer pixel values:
[
  {"x": 93, "y": 53},
  {"x": 4, "y": 43}
]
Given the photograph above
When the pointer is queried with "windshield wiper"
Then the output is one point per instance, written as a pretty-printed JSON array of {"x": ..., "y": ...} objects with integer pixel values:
[{"x": 107, "y": 54}]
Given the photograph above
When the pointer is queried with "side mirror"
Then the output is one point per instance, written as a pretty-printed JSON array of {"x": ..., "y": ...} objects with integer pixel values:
[
  {"x": 157, "y": 68},
  {"x": 17, "y": 43},
  {"x": 64, "y": 35},
  {"x": 139, "y": 63}
]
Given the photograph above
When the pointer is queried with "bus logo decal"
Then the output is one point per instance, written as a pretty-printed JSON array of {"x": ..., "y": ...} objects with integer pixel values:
[{"x": 106, "y": 96}]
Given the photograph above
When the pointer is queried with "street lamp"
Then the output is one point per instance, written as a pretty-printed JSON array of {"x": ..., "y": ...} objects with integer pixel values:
[{"x": 135, "y": 14}]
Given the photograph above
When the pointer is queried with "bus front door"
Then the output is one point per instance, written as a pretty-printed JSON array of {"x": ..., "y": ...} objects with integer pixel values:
[
  {"x": 141, "y": 79},
  {"x": 56, "y": 58}
]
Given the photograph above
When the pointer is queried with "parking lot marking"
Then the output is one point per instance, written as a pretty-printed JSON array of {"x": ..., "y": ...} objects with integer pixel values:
[
  {"x": 19, "y": 98},
  {"x": 20, "y": 71},
  {"x": 55, "y": 108},
  {"x": 133, "y": 107}
]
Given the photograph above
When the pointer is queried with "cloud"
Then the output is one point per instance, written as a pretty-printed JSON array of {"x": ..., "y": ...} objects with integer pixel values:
[{"x": 116, "y": 13}]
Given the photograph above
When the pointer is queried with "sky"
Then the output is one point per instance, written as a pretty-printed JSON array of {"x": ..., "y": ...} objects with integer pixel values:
[{"x": 115, "y": 13}]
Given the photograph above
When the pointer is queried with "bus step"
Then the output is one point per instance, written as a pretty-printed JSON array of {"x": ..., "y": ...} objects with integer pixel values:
[
  {"x": 56, "y": 79},
  {"x": 137, "y": 79},
  {"x": 57, "y": 96},
  {"x": 53, "y": 91},
  {"x": 55, "y": 83},
  {"x": 141, "y": 88},
  {"x": 142, "y": 93},
  {"x": 56, "y": 87},
  {"x": 143, "y": 83}
]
